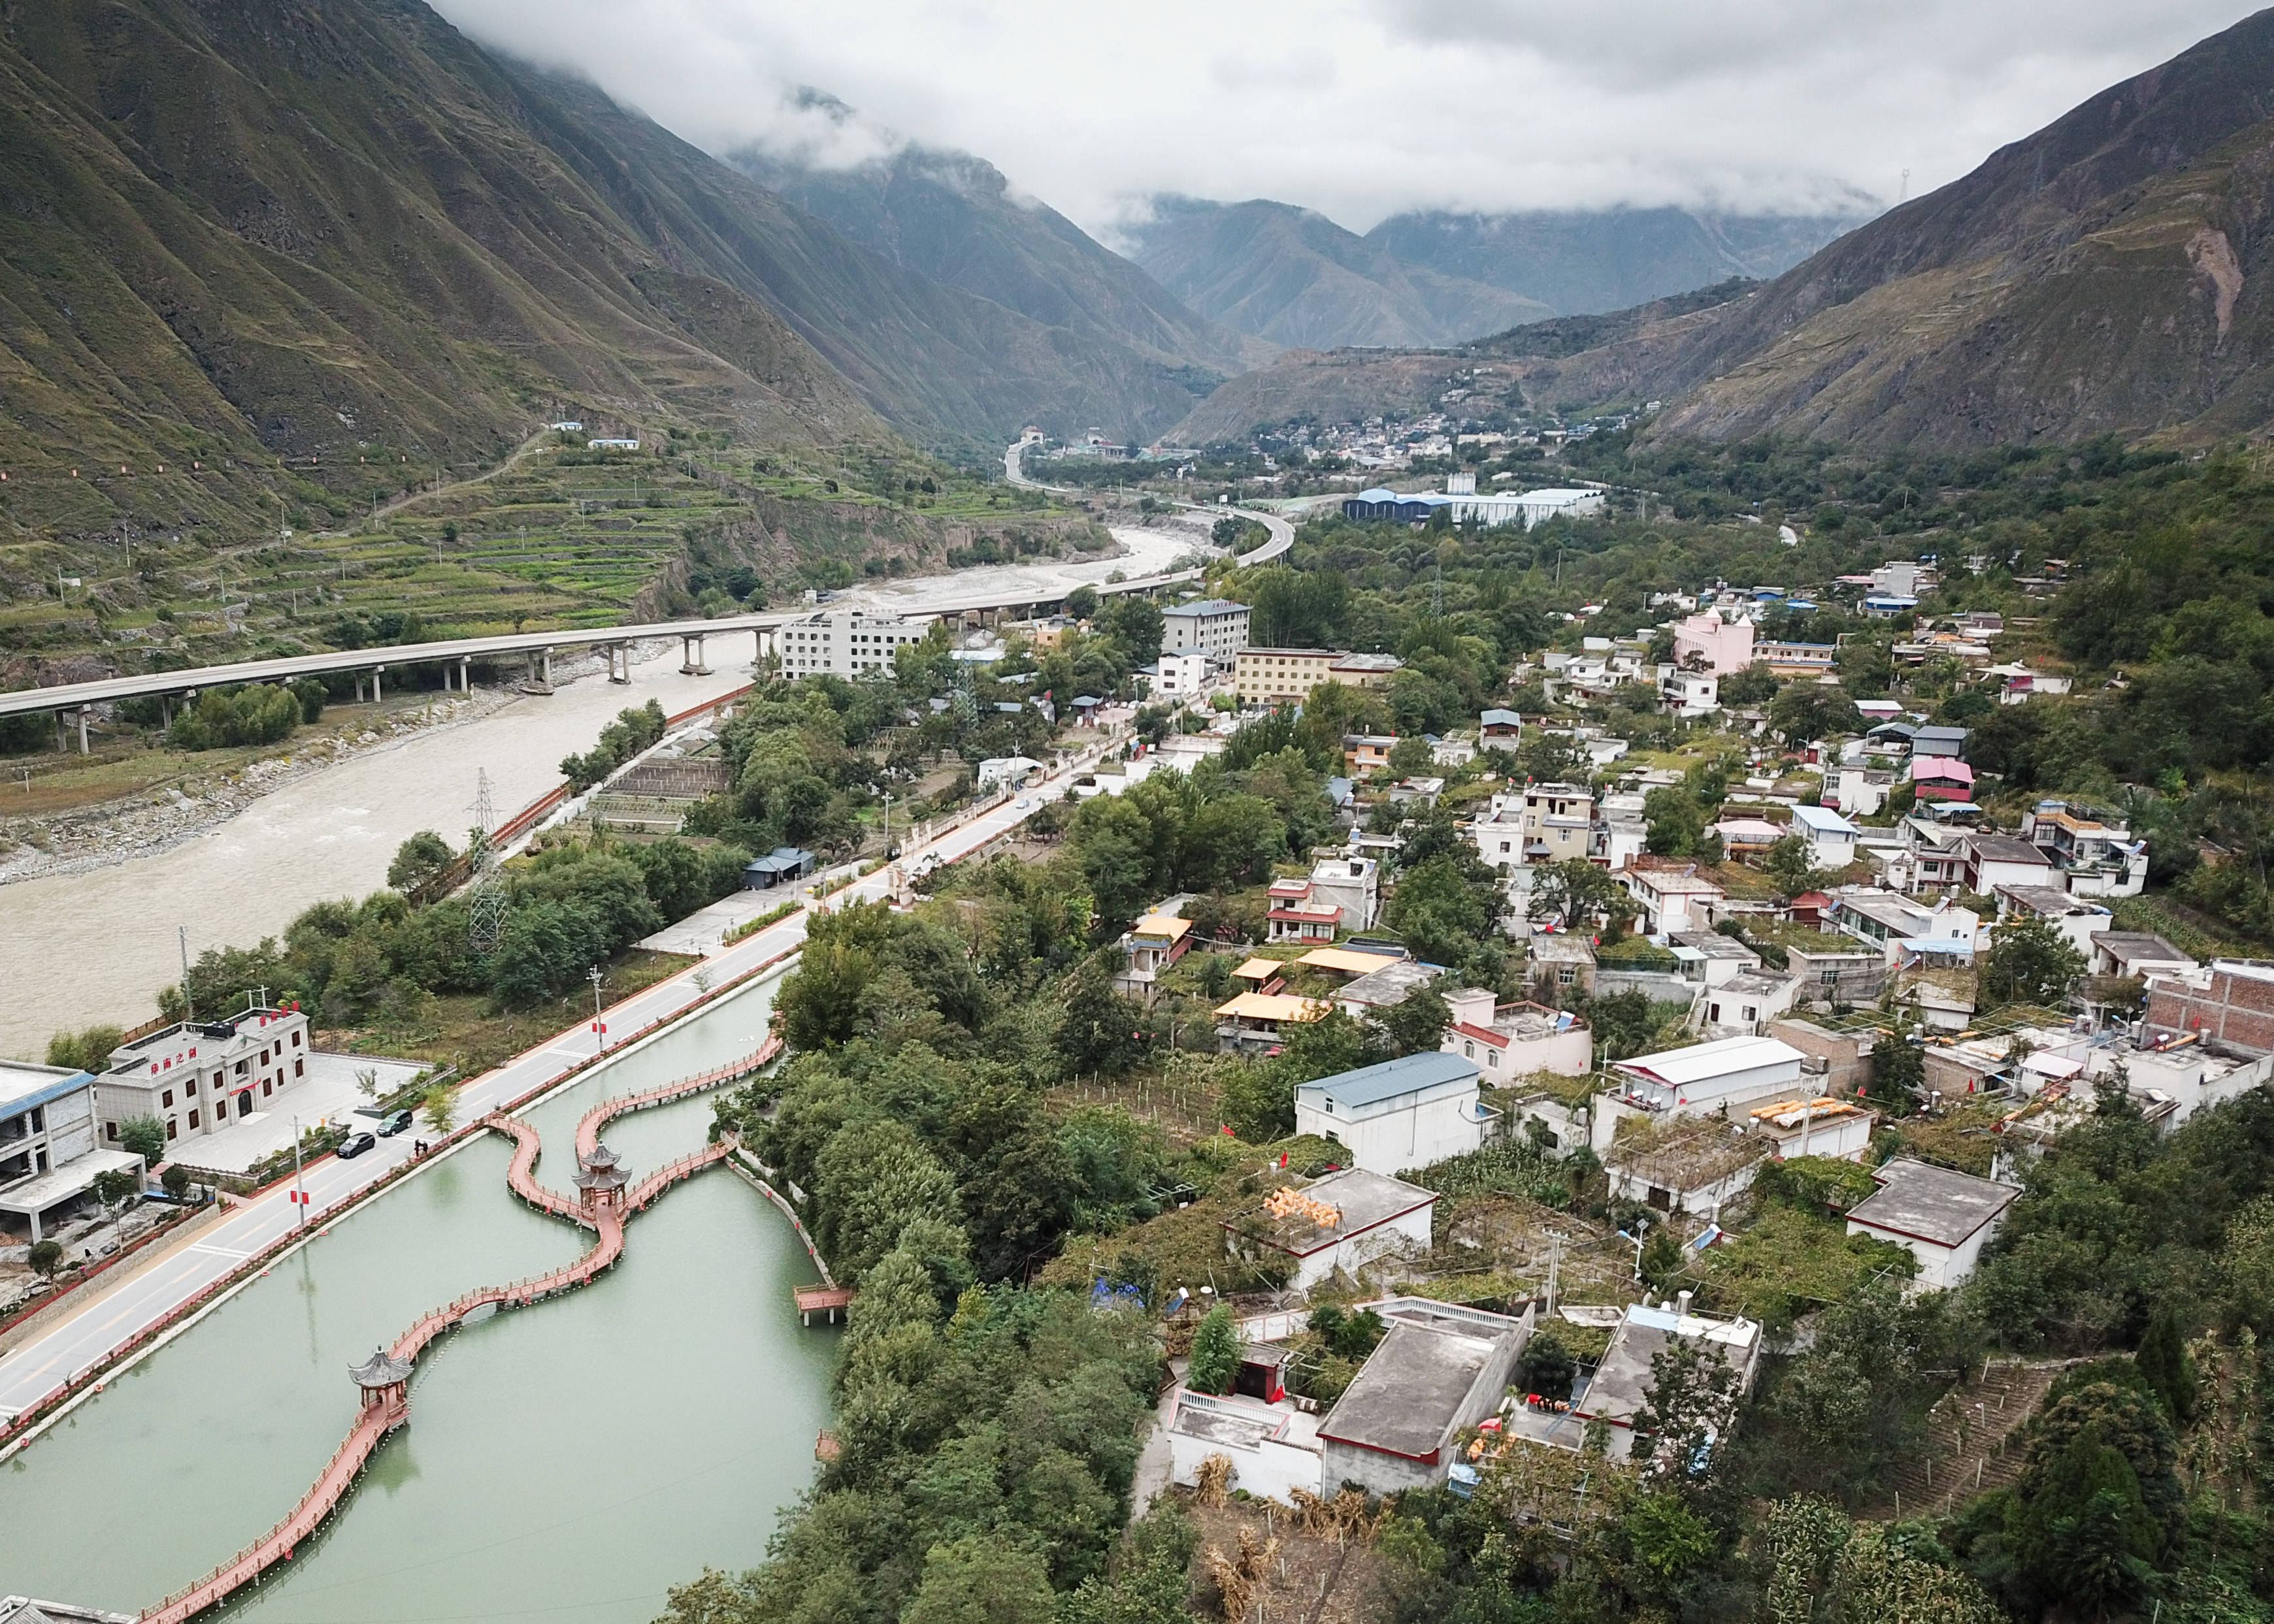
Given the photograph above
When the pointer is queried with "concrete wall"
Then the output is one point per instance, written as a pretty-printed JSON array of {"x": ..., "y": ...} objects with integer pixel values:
[
  {"x": 1352, "y": 1254},
  {"x": 1269, "y": 1470},
  {"x": 1389, "y": 1141}
]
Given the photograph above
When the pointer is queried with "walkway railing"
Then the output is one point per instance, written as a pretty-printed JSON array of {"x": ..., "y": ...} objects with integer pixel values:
[{"x": 249, "y": 1565}]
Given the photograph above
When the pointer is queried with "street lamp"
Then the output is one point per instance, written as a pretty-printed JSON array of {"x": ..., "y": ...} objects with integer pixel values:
[{"x": 599, "y": 1025}]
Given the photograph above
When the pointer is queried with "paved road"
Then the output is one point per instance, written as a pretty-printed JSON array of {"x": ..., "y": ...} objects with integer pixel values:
[
  {"x": 38, "y": 1367},
  {"x": 1282, "y": 537}
]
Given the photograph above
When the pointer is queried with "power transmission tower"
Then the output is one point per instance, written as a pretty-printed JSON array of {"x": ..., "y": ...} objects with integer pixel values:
[{"x": 486, "y": 902}]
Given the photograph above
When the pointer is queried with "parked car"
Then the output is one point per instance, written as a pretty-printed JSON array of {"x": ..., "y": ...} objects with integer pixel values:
[
  {"x": 395, "y": 1124},
  {"x": 354, "y": 1144}
]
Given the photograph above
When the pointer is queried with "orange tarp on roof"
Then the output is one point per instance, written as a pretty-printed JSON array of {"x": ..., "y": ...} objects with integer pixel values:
[
  {"x": 1161, "y": 925},
  {"x": 1347, "y": 961},
  {"x": 1259, "y": 970},
  {"x": 1273, "y": 1007}
]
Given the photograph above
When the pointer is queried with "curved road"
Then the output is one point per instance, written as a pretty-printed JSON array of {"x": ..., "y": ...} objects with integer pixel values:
[
  {"x": 1282, "y": 537},
  {"x": 37, "y": 1369}
]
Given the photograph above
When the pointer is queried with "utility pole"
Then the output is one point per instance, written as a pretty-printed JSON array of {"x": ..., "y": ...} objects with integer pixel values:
[
  {"x": 189, "y": 1011},
  {"x": 599, "y": 1026},
  {"x": 299, "y": 1187},
  {"x": 1555, "y": 1266}
]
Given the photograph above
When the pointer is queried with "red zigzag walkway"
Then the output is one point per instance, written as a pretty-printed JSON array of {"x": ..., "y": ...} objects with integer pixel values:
[{"x": 605, "y": 1201}]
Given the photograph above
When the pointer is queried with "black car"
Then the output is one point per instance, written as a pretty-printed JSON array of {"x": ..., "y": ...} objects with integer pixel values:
[
  {"x": 395, "y": 1124},
  {"x": 356, "y": 1144}
]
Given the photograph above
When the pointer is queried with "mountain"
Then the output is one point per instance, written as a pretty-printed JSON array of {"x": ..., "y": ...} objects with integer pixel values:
[
  {"x": 1585, "y": 261},
  {"x": 1296, "y": 278},
  {"x": 1584, "y": 360},
  {"x": 2108, "y": 275},
  {"x": 331, "y": 230},
  {"x": 952, "y": 218}
]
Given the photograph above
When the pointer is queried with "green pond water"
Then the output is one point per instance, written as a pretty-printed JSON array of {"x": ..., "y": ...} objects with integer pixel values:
[{"x": 566, "y": 1462}]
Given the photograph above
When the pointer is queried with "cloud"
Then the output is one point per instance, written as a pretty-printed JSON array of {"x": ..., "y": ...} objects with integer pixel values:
[{"x": 1360, "y": 109}]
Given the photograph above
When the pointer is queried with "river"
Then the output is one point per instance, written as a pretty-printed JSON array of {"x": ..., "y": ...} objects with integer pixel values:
[
  {"x": 569, "y": 1462},
  {"x": 78, "y": 949}
]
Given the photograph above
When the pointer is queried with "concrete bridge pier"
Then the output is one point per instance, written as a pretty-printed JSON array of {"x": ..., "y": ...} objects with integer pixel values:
[
  {"x": 465, "y": 674},
  {"x": 63, "y": 741},
  {"x": 620, "y": 662},
  {"x": 375, "y": 695},
  {"x": 690, "y": 648}
]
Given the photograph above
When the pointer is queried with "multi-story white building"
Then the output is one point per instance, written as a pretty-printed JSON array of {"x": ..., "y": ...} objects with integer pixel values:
[
  {"x": 199, "y": 1077},
  {"x": 846, "y": 643},
  {"x": 1176, "y": 676},
  {"x": 49, "y": 1157},
  {"x": 1215, "y": 627}
]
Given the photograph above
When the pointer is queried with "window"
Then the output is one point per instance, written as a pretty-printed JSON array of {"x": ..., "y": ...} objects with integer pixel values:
[
  {"x": 166, "y": 1099},
  {"x": 170, "y": 1127},
  {"x": 193, "y": 1119},
  {"x": 190, "y": 1087},
  {"x": 111, "y": 1131},
  {"x": 1566, "y": 975},
  {"x": 299, "y": 1067},
  {"x": 296, "y": 1040},
  {"x": 1829, "y": 976},
  {"x": 264, "y": 1087}
]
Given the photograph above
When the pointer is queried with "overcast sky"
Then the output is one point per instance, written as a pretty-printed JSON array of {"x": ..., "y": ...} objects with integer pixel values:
[{"x": 1364, "y": 108}]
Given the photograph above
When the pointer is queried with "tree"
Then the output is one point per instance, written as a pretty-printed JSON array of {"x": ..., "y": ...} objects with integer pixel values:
[
  {"x": 441, "y": 1109},
  {"x": 45, "y": 1257},
  {"x": 1416, "y": 1024},
  {"x": 2162, "y": 1359},
  {"x": 1441, "y": 914},
  {"x": 1787, "y": 863},
  {"x": 1808, "y": 711},
  {"x": 1898, "y": 1074},
  {"x": 176, "y": 1180},
  {"x": 145, "y": 1136},
  {"x": 2029, "y": 962},
  {"x": 84, "y": 1051},
  {"x": 1216, "y": 1352},
  {"x": 1578, "y": 892},
  {"x": 982, "y": 1579},
  {"x": 1102, "y": 1032},
  {"x": 119, "y": 1189},
  {"x": 1134, "y": 620},
  {"x": 1409, "y": 757},
  {"x": 1081, "y": 603},
  {"x": 1549, "y": 1364}
]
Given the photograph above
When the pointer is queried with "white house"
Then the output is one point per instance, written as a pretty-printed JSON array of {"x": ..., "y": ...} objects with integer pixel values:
[
  {"x": 1440, "y": 1369},
  {"x": 1941, "y": 1217},
  {"x": 1690, "y": 692},
  {"x": 1704, "y": 1077},
  {"x": 1177, "y": 676},
  {"x": 1673, "y": 898},
  {"x": 1830, "y": 837},
  {"x": 1400, "y": 1114},
  {"x": 1341, "y": 1221},
  {"x": 1353, "y": 884},
  {"x": 1511, "y": 1041}
]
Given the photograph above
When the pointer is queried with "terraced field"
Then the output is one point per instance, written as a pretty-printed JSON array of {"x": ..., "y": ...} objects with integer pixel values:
[{"x": 553, "y": 538}]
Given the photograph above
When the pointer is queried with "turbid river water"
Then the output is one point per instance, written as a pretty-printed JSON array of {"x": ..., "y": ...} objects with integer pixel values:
[
  {"x": 566, "y": 1462},
  {"x": 93, "y": 947}
]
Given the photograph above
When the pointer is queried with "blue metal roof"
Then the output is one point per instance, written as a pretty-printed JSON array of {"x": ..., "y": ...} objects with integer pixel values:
[{"x": 1370, "y": 1084}]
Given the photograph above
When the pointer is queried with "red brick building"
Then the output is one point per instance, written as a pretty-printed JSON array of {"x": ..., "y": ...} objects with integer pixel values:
[{"x": 2230, "y": 1003}]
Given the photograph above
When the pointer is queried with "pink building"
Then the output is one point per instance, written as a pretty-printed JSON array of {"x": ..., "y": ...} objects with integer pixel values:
[{"x": 1726, "y": 646}]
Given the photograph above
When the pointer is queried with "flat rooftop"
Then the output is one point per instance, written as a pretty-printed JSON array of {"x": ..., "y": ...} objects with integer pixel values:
[
  {"x": 23, "y": 1086},
  {"x": 1930, "y": 1203},
  {"x": 1392, "y": 984},
  {"x": 1411, "y": 1391}
]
